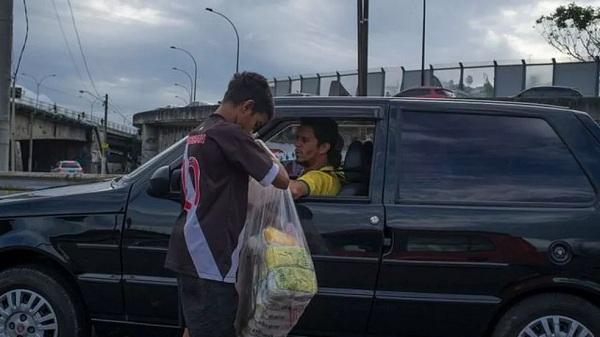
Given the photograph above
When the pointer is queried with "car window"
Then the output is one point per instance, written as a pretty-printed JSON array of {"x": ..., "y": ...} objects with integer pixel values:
[
  {"x": 448, "y": 93},
  {"x": 167, "y": 156},
  {"x": 352, "y": 131},
  {"x": 562, "y": 92},
  {"x": 70, "y": 165},
  {"x": 414, "y": 92},
  {"x": 531, "y": 93},
  {"x": 481, "y": 158}
]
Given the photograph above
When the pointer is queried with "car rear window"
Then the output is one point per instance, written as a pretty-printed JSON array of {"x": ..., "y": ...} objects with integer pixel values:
[
  {"x": 414, "y": 93},
  {"x": 448, "y": 157},
  {"x": 446, "y": 92},
  {"x": 69, "y": 165}
]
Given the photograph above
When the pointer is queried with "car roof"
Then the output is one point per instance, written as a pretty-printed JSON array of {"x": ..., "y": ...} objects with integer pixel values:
[
  {"x": 551, "y": 87},
  {"x": 422, "y": 103},
  {"x": 426, "y": 88}
]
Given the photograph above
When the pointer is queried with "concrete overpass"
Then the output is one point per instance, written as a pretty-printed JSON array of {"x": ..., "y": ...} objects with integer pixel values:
[
  {"x": 164, "y": 126},
  {"x": 63, "y": 134}
]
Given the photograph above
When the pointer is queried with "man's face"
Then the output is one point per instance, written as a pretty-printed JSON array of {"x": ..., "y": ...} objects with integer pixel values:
[
  {"x": 251, "y": 120},
  {"x": 308, "y": 149}
]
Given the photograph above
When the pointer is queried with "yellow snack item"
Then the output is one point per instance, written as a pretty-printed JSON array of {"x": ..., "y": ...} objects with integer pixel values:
[
  {"x": 276, "y": 236},
  {"x": 287, "y": 256},
  {"x": 293, "y": 279}
]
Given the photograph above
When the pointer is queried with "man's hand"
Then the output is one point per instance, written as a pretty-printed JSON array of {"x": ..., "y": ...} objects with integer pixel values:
[{"x": 298, "y": 189}]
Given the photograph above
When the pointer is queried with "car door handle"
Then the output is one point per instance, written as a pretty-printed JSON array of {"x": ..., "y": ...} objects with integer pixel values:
[{"x": 374, "y": 220}]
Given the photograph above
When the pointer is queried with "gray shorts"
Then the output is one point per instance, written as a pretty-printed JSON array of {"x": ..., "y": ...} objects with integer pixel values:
[{"x": 209, "y": 307}]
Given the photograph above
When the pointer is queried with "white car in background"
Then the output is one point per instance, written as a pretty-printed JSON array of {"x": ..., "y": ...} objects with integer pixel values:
[{"x": 68, "y": 167}]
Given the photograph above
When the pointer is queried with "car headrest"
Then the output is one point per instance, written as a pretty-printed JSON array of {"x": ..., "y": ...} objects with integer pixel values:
[
  {"x": 367, "y": 156},
  {"x": 353, "y": 163}
]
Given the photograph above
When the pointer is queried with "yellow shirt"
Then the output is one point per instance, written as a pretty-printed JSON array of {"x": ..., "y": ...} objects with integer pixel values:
[{"x": 323, "y": 182}]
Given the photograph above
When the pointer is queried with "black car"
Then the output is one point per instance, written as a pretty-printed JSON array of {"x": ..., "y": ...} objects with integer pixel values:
[
  {"x": 457, "y": 218},
  {"x": 549, "y": 92}
]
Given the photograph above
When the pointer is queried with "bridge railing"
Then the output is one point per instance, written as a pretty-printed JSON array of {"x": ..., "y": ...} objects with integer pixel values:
[
  {"x": 499, "y": 78},
  {"x": 79, "y": 116}
]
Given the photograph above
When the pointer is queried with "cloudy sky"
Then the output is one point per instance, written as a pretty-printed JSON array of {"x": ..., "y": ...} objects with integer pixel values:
[{"x": 126, "y": 42}]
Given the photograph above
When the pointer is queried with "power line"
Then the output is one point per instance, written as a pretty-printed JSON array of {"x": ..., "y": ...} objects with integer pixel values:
[
  {"x": 58, "y": 90},
  {"x": 113, "y": 107},
  {"x": 62, "y": 30},
  {"x": 116, "y": 111},
  {"x": 87, "y": 69},
  {"x": 24, "y": 44}
]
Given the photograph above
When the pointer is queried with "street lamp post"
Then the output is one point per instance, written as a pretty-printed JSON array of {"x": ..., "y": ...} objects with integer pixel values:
[
  {"x": 184, "y": 88},
  {"x": 103, "y": 144},
  {"x": 181, "y": 98},
  {"x": 237, "y": 58},
  {"x": 92, "y": 102},
  {"x": 37, "y": 100},
  {"x": 190, "y": 77},
  {"x": 195, "y": 70}
]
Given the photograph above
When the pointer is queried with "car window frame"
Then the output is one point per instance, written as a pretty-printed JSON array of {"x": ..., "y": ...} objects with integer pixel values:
[
  {"x": 377, "y": 112},
  {"x": 285, "y": 122}
]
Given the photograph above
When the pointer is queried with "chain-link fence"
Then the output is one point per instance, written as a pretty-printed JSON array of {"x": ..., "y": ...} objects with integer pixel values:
[{"x": 484, "y": 79}]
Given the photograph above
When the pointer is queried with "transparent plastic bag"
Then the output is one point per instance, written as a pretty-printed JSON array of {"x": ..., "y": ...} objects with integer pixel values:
[{"x": 276, "y": 278}]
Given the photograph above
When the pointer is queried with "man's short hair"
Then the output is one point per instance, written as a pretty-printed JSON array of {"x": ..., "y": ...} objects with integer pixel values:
[
  {"x": 326, "y": 131},
  {"x": 250, "y": 86}
]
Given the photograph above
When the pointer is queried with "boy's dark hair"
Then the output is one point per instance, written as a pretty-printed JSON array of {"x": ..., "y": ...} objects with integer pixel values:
[
  {"x": 326, "y": 131},
  {"x": 248, "y": 85}
]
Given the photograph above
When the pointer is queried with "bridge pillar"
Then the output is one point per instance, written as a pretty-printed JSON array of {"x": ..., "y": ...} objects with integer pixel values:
[{"x": 149, "y": 142}]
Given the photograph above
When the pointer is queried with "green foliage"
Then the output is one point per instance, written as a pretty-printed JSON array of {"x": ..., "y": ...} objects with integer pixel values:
[{"x": 573, "y": 30}]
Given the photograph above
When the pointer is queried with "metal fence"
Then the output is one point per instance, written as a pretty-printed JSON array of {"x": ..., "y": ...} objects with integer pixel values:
[
  {"x": 79, "y": 116},
  {"x": 484, "y": 79}
]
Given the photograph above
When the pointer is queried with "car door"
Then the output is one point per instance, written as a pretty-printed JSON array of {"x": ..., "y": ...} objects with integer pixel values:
[
  {"x": 473, "y": 200},
  {"x": 149, "y": 289},
  {"x": 345, "y": 238}
]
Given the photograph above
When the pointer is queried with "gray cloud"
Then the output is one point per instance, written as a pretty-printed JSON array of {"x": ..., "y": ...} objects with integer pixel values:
[{"x": 127, "y": 42}]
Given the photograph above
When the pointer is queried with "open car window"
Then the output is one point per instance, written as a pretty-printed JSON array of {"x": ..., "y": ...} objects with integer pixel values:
[{"x": 357, "y": 152}]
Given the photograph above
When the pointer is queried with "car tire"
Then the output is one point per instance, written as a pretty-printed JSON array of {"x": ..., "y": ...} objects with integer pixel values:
[
  {"x": 537, "y": 315},
  {"x": 37, "y": 300}
]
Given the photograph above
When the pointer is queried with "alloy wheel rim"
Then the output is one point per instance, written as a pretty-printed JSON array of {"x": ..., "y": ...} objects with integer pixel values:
[
  {"x": 555, "y": 326},
  {"x": 25, "y": 313}
]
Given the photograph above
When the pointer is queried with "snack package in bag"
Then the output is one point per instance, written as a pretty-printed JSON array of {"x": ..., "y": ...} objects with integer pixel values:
[{"x": 276, "y": 277}]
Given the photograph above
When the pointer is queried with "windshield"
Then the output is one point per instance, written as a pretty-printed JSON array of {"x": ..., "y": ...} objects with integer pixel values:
[
  {"x": 70, "y": 165},
  {"x": 155, "y": 159}
]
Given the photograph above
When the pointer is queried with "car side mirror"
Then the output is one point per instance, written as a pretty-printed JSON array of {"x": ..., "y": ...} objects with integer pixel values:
[
  {"x": 175, "y": 184},
  {"x": 160, "y": 184}
]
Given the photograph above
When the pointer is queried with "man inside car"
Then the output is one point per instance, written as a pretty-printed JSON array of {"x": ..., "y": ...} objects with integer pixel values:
[{"x": 318, "y": 150}]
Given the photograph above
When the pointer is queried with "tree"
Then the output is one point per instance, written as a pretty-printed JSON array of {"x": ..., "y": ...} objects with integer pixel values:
[{"x": 573, "y": 30}]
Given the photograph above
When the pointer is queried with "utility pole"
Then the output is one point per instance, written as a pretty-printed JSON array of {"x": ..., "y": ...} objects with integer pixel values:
[
  {"x": 363, "y": 46},
  {"x": 423, "y": 48},
  {"x": 105, "y": 136},
  {"x": 6, "y": 23}
]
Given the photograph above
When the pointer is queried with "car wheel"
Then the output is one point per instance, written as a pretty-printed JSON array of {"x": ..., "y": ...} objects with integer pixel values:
[
  {"x": 35, "y": 303},
  {"x": 550, "y": 315}
]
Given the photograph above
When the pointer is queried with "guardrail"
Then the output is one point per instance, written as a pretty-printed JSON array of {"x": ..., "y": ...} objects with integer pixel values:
[
  {"x": 12, "y": 182},
  {"x": 79, "y": 116}
]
